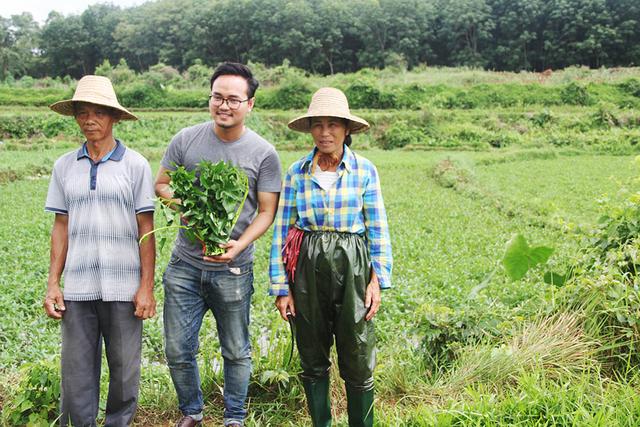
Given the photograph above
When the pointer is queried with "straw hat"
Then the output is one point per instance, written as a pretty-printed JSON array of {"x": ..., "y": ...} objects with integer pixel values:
[
  {"x": 95, "y": 90},
  {"x": 329, "y": 102}
]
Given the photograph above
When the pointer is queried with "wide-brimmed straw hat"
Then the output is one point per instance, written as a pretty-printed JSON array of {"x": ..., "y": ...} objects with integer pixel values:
[
  {"x": 95, "y": 90},
  {"x": 329, "y": 102}
]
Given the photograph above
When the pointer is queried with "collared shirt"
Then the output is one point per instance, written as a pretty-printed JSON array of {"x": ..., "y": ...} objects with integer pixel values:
[
  {"x": 353, "y": 205},
  {"x": 103, "y": 254},
  {"x": 117, "y": 152}
]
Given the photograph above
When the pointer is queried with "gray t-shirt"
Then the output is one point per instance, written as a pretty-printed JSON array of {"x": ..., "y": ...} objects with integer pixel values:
[{"x": 250, "y": 152}]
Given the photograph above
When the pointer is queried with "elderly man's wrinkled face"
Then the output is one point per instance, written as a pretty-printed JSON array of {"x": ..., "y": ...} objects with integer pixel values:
[{"x": 95, "y": 121}]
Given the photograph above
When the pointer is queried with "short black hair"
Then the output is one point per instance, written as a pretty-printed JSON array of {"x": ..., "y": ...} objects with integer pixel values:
[{"x": 236, "y": 69}]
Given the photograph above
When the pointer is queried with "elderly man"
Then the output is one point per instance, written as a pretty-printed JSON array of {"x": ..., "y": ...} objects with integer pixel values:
[
  {"x": 195, "y": 284},
  {"x": 101, "y": 195}
]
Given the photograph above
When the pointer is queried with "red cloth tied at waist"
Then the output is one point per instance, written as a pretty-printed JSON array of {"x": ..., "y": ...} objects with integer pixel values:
[{"x": 291, "y": 251}]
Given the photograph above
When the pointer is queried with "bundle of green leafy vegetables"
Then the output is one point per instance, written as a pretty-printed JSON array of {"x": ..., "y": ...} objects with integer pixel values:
[{"x": 211, "y": 198}]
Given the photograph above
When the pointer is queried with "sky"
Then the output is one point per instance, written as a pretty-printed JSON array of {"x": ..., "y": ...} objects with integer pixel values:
[{"x": 41, "y": 8}]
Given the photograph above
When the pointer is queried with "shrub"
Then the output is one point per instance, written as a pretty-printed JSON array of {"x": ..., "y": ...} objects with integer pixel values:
[
  {"x": 365, "y": 95},
  {"x": 186, "y": 98},
  {"x": 105, "y": 69},
  {"x": 603, "y": 283},
  {"x": 161, "y": 75},
  {"x": 142, "y": 95},
  {"x": 444, "y": 331},
  {"x": 122, "y": 73},
  {"x": 606, "y": 115},
  {"x": 293, "y": 93},
  {"x": 199, "y": 73},
  {"x": 400, "y": 134},
  {"x": 275, "y": 75},
  {"x": 451, "y": 174},
  {"x": 35, "y": 401},
  {"x": 542, "y": 118},
  {"x": 459, "y": 99},
  {"x": 575, "y": 94},
  {"x": 412, "y": 96},
  {"x": 631, "y": 86}
]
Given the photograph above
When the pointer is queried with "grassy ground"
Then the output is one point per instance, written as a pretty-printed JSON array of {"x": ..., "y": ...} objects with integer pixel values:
[{"x": 448, "y": 238}]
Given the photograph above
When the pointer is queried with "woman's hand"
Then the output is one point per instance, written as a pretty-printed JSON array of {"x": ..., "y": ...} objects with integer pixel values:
[
  {"x": 372, "y": 298},
  {"x": 285, "y": 306}
]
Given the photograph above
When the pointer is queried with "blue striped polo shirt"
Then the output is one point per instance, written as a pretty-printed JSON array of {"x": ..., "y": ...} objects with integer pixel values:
[{"x": 102, "y": 200}]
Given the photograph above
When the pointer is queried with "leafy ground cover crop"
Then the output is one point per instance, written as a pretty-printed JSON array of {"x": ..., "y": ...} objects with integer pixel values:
[
  {"x": 560, "y": 188},
  {"x": 447, "y": 240}
]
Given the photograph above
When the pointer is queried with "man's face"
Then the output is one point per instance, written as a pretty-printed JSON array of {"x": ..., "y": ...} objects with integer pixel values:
[
  {"x": 95, "y": 121},
  {"x": 232, "y": 88}
]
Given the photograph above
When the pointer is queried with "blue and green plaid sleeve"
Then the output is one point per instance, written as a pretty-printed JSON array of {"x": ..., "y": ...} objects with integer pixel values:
[
  {"x": 286, "y": 217},
  {"x": 377, "y": 229}
]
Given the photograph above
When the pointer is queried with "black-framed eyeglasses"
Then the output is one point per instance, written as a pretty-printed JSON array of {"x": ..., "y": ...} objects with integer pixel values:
[{"x": 232, "y": 103}]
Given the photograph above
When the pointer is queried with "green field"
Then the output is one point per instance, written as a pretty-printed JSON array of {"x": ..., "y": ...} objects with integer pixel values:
[{"x": 460, "y": 343}]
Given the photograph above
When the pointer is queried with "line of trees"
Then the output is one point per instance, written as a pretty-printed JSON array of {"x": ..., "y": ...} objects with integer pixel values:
[{"x": 327, "y": 36}]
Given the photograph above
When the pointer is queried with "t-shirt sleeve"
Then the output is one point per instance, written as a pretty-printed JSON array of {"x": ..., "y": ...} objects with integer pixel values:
[
  {"x": 173, "y": 155},
  {"x": 270, "y": 178},
  {"x": 55, "y": 196},
  {"x": 143, "y": 191}
]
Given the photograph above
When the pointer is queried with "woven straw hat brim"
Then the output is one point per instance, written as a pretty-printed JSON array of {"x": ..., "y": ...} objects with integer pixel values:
[
  {"x": 66, "y": 108},
  {"x": 329, "y": 102},
  {"x": 94, "y": 90},
  {"x": 356, "y": 124}
]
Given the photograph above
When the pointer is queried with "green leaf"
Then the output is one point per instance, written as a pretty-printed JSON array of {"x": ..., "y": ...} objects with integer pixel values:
[
  {"x": 540, "y": 255},
  {"x": 554, "y": 278},
  {"x": 212, "y": 196},
  {"x": 519, "y": 257}
]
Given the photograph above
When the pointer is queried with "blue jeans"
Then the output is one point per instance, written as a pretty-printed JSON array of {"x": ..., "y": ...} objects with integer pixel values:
[{"x": 189, "y": 293}]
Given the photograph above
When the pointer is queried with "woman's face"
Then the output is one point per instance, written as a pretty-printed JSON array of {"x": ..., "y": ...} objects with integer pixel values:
[{"x": 329, "y": 134}]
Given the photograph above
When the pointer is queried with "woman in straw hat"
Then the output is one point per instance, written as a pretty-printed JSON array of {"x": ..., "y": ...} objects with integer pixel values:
[
  {"x": 330, "y": 256},
  {"x": 101, "y": 195}
]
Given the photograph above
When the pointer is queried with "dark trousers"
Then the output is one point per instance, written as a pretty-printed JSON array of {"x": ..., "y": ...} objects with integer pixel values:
[
  {"x": 332, "y": 274},
  {"x": 84, "y": 325}
]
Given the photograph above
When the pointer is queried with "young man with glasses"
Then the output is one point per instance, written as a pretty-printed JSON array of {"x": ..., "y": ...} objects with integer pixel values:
[{"x": 194, "y": 283}]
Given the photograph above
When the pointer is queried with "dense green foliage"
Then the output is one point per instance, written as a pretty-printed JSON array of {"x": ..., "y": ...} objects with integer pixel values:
[
  {"x": 211, "y": 199},
  {"x": 327, "y": 36},
  {"x": 492, "y": 182},
  {"x": 448, "y": 239}
]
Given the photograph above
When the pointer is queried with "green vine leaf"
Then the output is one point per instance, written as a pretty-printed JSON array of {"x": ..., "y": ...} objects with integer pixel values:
[{"x": 519, "y": 257}]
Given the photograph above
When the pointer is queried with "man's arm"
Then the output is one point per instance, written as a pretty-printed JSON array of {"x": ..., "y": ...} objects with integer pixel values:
[
  {"x": 54, "y": 300},
  {"x": 267, "y": 205},
  {"x": 144, "y": 301}
]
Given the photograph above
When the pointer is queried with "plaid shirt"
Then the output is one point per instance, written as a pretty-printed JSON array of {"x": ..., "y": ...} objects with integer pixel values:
[{"x": 353, "y": 205}]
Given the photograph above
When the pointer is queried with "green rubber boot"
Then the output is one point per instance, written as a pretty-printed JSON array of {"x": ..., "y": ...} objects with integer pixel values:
[
  {"x": 360, "y": 407},
  {"x": 317, "y": 392}
]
